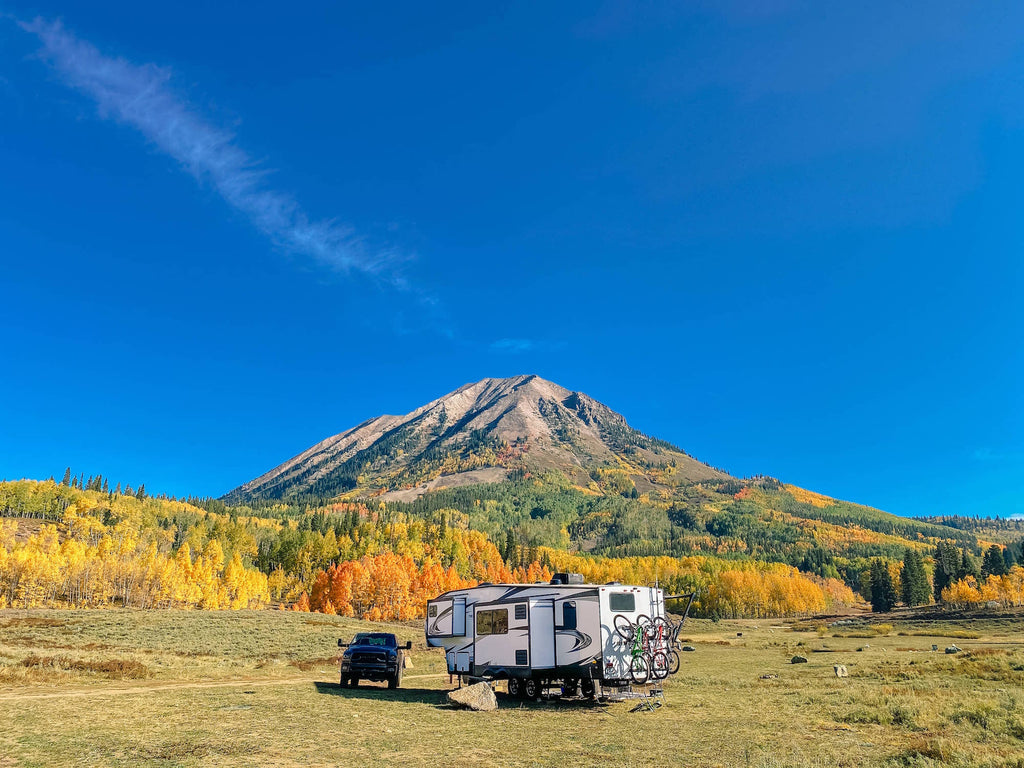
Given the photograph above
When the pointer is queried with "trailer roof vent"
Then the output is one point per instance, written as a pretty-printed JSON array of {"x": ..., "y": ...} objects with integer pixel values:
[{"x": 567, "y": 578}]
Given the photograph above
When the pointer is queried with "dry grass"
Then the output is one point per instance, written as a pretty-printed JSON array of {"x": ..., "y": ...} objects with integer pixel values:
[{"x": 229, "y": 689}]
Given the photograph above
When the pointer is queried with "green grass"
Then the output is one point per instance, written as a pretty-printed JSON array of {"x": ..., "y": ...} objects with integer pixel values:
[{"x": 258, "y": 689}]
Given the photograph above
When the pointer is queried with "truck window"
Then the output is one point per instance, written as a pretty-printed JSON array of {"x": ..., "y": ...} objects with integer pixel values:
[
  {"x": 493, "y": 622},
  {"x": 622, "y": 602}
]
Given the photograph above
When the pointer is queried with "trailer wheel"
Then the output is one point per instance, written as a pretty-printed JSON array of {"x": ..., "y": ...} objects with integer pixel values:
[
  {"x": 588, "y": 688},
  {"x": 515, "y": 687},
  {"x": 569, "y": 687},
  {"x": 531, "y": 688}
]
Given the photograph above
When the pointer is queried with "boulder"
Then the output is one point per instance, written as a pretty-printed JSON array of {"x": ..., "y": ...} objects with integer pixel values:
[
  {"x": 953, "y": 649},
  {"x": 840, "y": 670},
  {"x": 769, "y": 676},
  {"x": 478, "y": 697},
  {"x": 798, "y": 660},
  {"x": 689, "y": 648}
]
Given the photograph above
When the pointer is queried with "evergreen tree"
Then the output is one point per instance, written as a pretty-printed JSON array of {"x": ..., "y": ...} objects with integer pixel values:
[
  {"x": 994, "y": 563},
  {"x": 510, "y": 545},
  {"x": 914, "y": 580},
  {"x": 883, "y": 593},
  {"x": 141, "y": 493},
  {"x": 947, "y": 566},
  {"x": 117, "y": 491},
  {"x": 968, "y": 567},
  {"x": 106, "y": 486},
  {"x": 66, "y": 481}
]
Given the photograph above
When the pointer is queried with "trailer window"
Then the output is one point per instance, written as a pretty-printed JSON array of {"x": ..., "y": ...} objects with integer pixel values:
[
  {"x": 492, "y": 622},
  {"x": 432, "y": 611},
  {"x": 622, "y": 602},
  {"x": 569, "y": 615},
  {"x": 521, "y": 611}
]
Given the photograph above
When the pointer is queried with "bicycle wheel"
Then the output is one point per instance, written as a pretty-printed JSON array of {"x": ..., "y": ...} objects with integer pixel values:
[
  {"x": 673, "y": 662},
  {"x": 624, "y": 628},
  {"x": 639, "y": 670},
  {"x": 659, "y": 665}
]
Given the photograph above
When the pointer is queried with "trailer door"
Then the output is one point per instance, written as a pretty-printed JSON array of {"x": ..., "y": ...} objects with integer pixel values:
[
  {"x": 459, "y": 616},
  {"x": 542, "y": 634}
]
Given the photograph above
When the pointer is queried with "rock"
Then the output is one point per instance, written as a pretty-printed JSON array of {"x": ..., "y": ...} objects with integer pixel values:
[
  {"x": 867, "y": 645},
  {"x": 406, "y": 661},
  {"x": 840, "y": 670},
  {"x": 739, "y": 634},
  {"x": 769, "y": 677},
  {"x": 798, "y": 660},
  {"x": 953, "y": 649},
  {"x": 935, "y": 647},
  {"x": 689, "y": 648},
  {"x": 478, "y": 697}
]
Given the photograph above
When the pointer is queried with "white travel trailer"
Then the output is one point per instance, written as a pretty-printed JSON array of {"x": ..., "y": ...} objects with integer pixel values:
[{"x": 535, "y": 635}]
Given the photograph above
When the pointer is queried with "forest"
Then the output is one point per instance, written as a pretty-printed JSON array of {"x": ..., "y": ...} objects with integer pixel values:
[{"x": 760, "y": 550}]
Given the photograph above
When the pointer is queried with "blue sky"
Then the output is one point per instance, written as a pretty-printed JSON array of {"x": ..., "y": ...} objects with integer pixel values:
[{"x": 785, "y": 236}]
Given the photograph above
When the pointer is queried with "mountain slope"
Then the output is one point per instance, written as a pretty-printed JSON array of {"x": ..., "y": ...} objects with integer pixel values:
[{"x": 523, "y": 423}]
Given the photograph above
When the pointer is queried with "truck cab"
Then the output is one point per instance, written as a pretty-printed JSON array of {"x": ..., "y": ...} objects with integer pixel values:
[{"x": 372, "y": 656}]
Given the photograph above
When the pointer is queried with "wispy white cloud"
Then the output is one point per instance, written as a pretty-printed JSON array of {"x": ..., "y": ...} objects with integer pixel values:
[{"x": 141, "y": 95}]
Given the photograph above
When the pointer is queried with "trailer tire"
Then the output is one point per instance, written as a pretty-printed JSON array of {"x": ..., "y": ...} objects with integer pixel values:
[
  {"x": 515, "y": 687},
  {"x": 531, "y": 689},
  {"x": 570, "y": 687},
  {"x": 588, "y": 688}
]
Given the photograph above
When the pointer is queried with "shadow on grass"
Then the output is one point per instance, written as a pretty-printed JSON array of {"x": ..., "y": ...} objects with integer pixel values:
[
  {"x": 436, "y": 696},
  {"x": 383, "y": 693}
]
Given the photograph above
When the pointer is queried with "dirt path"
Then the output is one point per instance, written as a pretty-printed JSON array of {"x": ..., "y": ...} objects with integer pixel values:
[{"x": 149, "y": 687}]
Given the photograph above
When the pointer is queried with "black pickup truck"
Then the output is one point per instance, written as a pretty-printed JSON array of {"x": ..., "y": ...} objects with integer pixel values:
[{"x": 372, "y": 656}]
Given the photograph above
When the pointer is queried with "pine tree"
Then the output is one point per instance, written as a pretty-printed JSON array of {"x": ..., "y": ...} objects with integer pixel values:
[
  {"x": 510, "y": 545},
  {"x": 947, "y": 566},
  {"x": 117, "y": 491},
  {"x": 914, "y": 581},
  {"x": 968, "y": 567},
  {"x": 994, "y": 563},
  {"x": 66, "y": 481},
  {"x": 883, "y": 593},
  {"x": 141, "y": 493}
]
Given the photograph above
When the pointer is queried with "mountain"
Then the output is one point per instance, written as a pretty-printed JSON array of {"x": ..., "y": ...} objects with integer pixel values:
[
  {"x": 481, "y": 432},
  {"x": 532, "y": 464}
]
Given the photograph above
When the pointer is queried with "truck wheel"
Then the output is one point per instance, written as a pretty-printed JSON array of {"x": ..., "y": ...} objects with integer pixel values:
[
  {"x": 515, "y": 687},
  {"x": 531, "y": 688},
  {"x": 344, "y": 682},
  {"x": 395, "y": 681},
  {"x": 354, "y": 682}
]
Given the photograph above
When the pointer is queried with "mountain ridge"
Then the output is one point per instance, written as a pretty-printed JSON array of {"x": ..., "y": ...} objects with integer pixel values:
[{"x": 522, "y": 423}]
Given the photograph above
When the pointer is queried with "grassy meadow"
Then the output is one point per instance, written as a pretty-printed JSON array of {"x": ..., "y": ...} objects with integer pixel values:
[{"x": 169, "y": 688}]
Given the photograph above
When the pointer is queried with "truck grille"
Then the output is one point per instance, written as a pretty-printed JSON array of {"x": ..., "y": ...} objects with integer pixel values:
[{"x": 371, "y": 657}]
